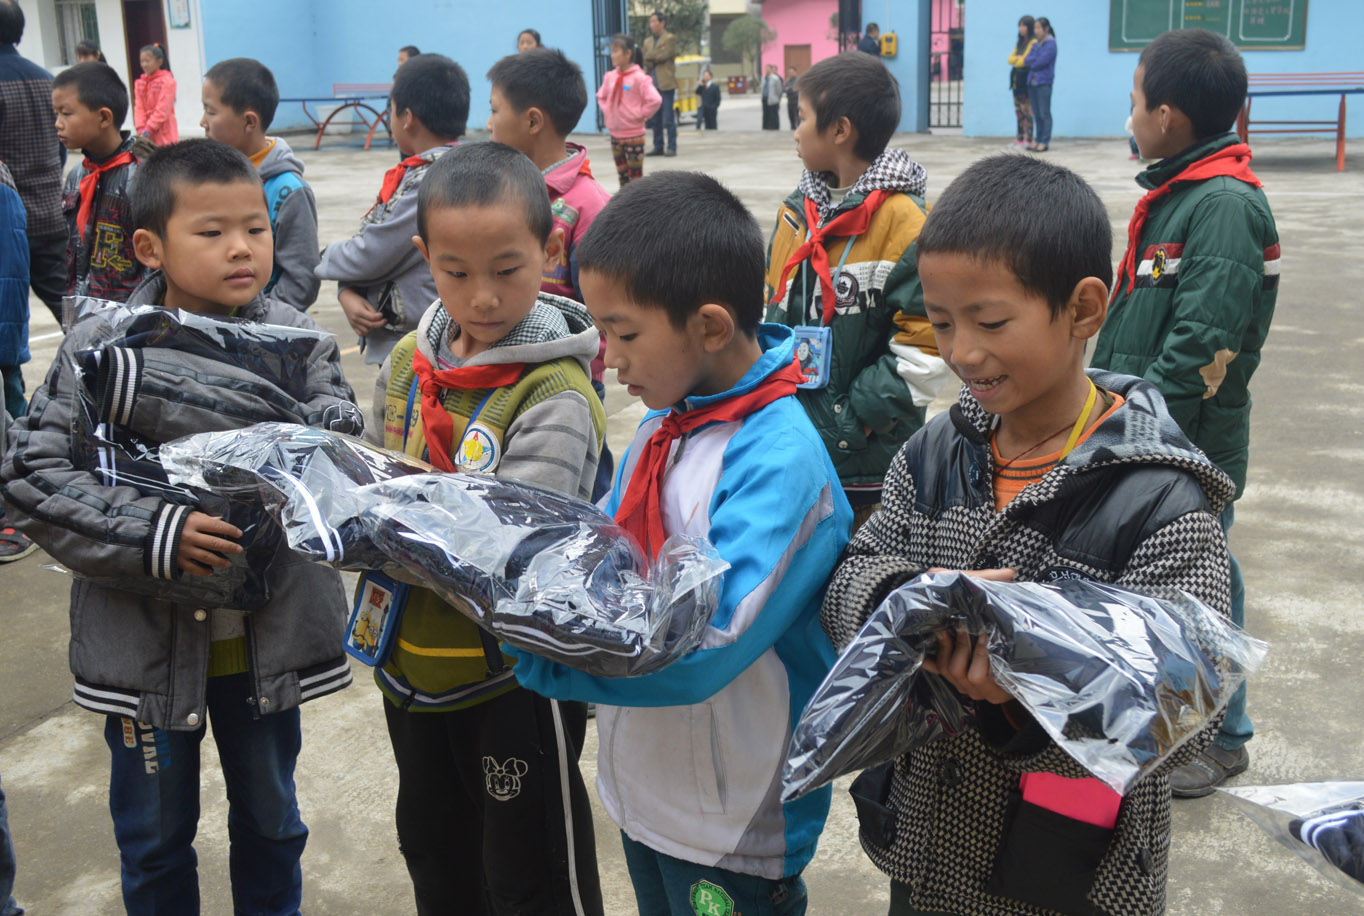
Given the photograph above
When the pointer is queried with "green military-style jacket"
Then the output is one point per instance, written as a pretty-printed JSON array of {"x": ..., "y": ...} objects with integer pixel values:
[{"x": 1197, "y": 316}]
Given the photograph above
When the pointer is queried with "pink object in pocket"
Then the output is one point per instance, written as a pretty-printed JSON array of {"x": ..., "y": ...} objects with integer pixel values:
[{"x": 1088, "y": 800}]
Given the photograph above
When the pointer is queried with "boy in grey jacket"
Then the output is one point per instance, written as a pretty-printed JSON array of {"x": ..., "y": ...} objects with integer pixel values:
[
  {"x": 240, "y": 97},
  {"x": 158, "y": 669},
  {"x": 385, "y": 286}
]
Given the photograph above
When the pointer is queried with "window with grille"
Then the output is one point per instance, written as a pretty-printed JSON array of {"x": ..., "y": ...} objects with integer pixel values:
[{"x": 76, "y": 22}]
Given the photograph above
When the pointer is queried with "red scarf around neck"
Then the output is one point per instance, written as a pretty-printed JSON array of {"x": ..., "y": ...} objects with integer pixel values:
[
  {"x": 437, "y": 425},
  {"x": 1230, "y": 161},
  {"x": 89, "y": 185},
  {"x": 854, "y": 222},
  {"x": 640, "y": 511},
  {"x": 394, "y": 177}
]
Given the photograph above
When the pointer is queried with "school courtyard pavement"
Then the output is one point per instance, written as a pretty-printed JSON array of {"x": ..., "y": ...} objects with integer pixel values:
[{"x": 1298, "y": 534}]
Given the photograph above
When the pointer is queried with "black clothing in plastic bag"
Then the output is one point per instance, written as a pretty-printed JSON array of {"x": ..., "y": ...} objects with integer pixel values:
[
  {"x": 1322, "y": 822},
  {"x": 540, "y": 570},
  {"x": 1117, "y": 679}
]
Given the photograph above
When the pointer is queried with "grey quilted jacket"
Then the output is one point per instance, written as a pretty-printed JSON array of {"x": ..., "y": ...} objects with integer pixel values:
[{"x": 142, "y": 657}]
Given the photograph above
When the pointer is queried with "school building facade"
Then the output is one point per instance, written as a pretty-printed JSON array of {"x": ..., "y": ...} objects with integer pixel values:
[{"x": 311, "y": 45}]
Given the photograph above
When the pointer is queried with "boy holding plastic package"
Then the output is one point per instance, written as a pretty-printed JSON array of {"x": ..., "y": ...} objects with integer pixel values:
[
  {"x": 1040, "y": 472},
  {"x": 158, "y": 669},
  {"x": 493, "y": 381},
  {"x": 691, "y": 756}
]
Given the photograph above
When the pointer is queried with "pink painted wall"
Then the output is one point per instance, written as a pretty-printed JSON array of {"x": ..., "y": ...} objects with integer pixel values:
[
  {"x": 799, "y": 22},
  {"x": 946, "y": 15}
]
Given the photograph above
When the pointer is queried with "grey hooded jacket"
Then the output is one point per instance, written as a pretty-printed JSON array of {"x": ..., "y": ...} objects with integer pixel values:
[
  {"x": 142, "y": 657},
  {"x": 293, "y": 219}
]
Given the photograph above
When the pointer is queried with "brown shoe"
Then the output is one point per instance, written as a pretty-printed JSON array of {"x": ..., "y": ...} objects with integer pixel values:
[{"x": 1207, "y": 771}]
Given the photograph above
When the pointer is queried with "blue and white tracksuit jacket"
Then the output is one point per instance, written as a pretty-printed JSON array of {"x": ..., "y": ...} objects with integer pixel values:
[{"x": 690, "y": 757}]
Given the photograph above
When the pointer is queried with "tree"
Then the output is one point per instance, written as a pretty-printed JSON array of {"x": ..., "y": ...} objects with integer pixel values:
[
  {"x": 746, "y": 35},
  {"x": 686, "y": 19}
]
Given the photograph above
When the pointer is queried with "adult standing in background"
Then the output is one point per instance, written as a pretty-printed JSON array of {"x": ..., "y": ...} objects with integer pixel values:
[
  {"x": 708, "y": 97},
  {"x": 1041, "y": 61},
  {"x": 660, "y": 52},
  {"x": 871, "y": 40},
  {"x": 29, "y": 146},
  {"x": 1018, "y": 80},
  {"x": 792, "y": 97},
  {"x": 772, "y": 95},
  {"x": 528, "y": 40}
]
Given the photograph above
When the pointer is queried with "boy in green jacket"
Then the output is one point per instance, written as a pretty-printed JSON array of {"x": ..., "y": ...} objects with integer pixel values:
[{"x": 1196, "y": 288}]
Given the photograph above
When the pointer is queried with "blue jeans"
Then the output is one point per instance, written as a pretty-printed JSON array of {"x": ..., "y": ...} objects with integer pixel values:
[
  {"x": 14, "y": 391},
  {"x": 1040, "y": 99},
  {"x": 1236, "y": 727},
  {"x": 665, "y": 117},
  {"x": 7, "y": 904},
  {"x": 154, "y": 799},
  {"x": 665, "y": 886}
]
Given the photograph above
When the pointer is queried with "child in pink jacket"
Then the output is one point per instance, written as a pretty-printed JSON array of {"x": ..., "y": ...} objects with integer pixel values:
[
  {"x": 154, "y": 98},
  {"x": 628, "y": 98}
]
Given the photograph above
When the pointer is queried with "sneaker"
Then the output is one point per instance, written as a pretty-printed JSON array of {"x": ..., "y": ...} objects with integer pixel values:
[
  {"x": 1207, "y": 771},
  {"x": 14, "y": 545},
  {"x": 671, "y": 152},
  {"x": 1133, "y": 156},
  {"x": 654, "y": 152},
  {"x": 1018, "y": 144}
]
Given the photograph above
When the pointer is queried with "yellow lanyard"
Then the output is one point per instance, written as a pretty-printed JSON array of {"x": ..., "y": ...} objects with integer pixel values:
[{"x": 1079, "y": 426}]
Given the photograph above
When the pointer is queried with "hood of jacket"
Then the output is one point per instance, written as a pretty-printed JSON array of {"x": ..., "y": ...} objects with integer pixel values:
[
  {"x": 281, "y": 158},
  {"x": 562, "y": 177},
  {"x": 1140, "y": 432},
  {"x": 893, "y": 170},
  {"x": 555, "y": 328}
]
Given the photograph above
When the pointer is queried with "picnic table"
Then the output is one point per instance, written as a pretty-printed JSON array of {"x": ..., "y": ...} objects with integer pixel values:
[
  {"x": 366, "y": 104},
  {"x": 1285, "y": 84}
]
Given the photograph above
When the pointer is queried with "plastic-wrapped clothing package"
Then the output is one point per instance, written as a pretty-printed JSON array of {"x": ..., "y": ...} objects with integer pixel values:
[
  {"x": 540, "y": 570},
  {"x": 1323, "y": 822},
  {"x": 1117, "y": 679},
  {"x": 117, "y": 432}
]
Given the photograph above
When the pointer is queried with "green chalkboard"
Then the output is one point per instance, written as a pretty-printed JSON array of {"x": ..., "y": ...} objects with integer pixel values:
[{"x": 1259, "y": 25}]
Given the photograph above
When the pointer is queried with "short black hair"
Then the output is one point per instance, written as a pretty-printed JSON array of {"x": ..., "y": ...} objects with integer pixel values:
[
  {"x": 709, "y": 249},
  {"x": 246, "y": 84},
  {"x": 193, "y": 162},
  {"x": 97, "y": 86},
  {"x": 662, "y": 17},
  {"x": 1041, "y": 221},
  {"x": 483, "y": 174},
  {"x": 435, "y": 89},
  {"x": 1199, "y": 72},
  {"x": 870, "y": 26},
  {"x": 11, "y": 22},
  {"x": 859, "y": 87},
  {"x": 533, "y": 34},
  {"x": 543, "y": 78},
  {"x": 410, "y": 50}
]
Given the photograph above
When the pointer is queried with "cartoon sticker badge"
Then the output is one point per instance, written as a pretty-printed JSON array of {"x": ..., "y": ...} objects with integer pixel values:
[
  {"x": 1158, "y": 264},
  {"x": 479, "y": 451},
  {"x": 709, "y": 899}
]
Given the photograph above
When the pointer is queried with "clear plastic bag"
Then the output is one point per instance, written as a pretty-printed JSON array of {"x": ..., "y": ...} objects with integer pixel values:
[
  {"x": 1119, "y": 680},
  {"x": 541, "y": 571},
  {"x": 118, "y": 436},
  {"x": 1322, "y": 822}
]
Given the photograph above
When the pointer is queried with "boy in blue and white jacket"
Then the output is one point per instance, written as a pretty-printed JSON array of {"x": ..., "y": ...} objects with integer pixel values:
[{"x": 691, "y": 757}]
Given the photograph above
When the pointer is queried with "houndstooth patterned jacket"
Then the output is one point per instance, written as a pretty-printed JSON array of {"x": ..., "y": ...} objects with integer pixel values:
[{"x": 1136, "y": 505}]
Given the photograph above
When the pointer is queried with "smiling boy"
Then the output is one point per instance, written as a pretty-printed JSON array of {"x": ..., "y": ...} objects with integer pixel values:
[
  {"x": 690, "y": 757},
  {"x": 1041, "y": 471},
  {"x": 158, "y": 670},
  {"x": 91, "y": 103},
  {"x": 493, "y": 381}
]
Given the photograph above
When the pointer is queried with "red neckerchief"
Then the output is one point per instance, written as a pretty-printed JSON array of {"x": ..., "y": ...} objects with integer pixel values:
[
  {"x": 437, "y": 425},
  {"x": 89, "y": 185},
  {"x": 394, "y": 177},
  {"x": 851, "y": 223},
  {"x": 1231, "y": 161},
  {"x": 640, "y": 512}
]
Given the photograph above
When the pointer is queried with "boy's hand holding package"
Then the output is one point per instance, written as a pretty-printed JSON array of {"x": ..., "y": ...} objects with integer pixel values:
[
  {"x": 203, "y": 541},
  {"x": 362, "y": 316}
]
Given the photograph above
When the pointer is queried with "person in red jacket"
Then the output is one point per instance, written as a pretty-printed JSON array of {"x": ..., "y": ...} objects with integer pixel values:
[{"x": 154, "y": 98}]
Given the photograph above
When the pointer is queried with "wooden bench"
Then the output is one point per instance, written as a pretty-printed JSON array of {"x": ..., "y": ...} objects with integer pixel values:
[
  {"x": 366, "y": 104},
  {"x": 1284, "y": 84}
]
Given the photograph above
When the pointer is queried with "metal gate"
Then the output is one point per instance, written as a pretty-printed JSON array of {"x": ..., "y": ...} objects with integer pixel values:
[
  {"x": 608, "y": 18},
  {"x": 946, "y": 44}
]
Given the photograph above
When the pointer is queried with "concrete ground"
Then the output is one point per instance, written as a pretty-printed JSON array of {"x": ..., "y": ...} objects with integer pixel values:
[{"x": 1297, "y": 534}]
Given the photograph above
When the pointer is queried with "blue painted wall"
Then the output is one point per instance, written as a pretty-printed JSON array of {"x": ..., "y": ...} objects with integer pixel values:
[
  {"x": 909, "y": 20},
  {"x": 1092, "y": 83},
  {"x": 311, "y": 44}
]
